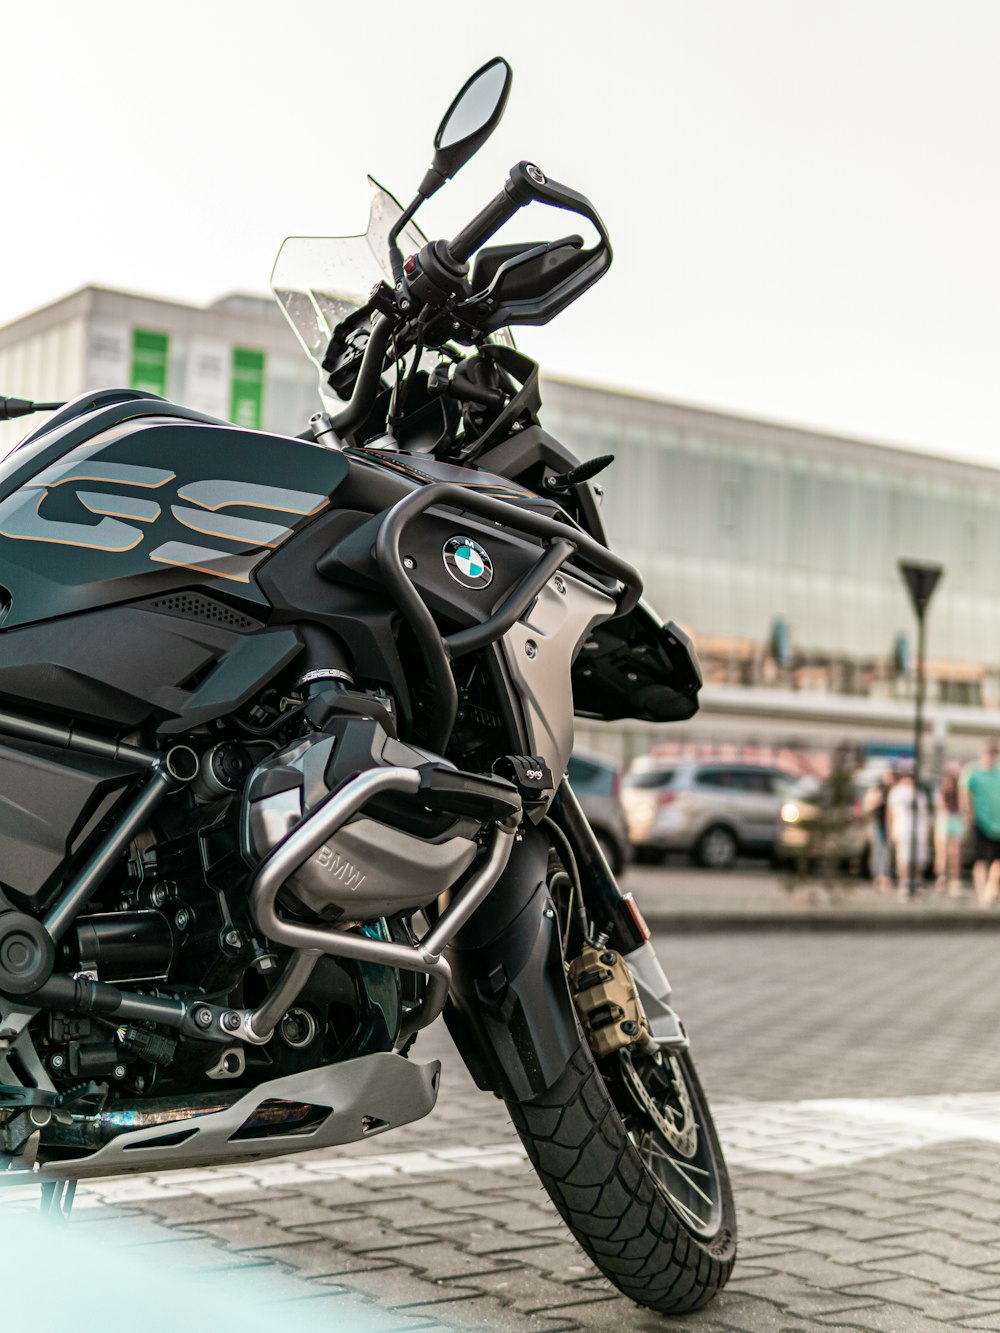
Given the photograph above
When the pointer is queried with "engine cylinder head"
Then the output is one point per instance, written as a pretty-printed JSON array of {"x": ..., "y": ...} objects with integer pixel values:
[{"x": 395, "y": 856}]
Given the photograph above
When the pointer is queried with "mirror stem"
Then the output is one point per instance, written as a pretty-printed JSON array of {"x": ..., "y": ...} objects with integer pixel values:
[
  {"x": 431, "y": 183},
  {"x": 395, "y": 254}
]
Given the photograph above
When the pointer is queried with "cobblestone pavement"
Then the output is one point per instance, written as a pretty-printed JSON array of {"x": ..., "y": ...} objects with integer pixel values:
[{"x": 856, "y": 1083}]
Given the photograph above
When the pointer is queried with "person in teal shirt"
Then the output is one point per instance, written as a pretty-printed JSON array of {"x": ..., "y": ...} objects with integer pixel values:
[{"x": 981, "y": 792}]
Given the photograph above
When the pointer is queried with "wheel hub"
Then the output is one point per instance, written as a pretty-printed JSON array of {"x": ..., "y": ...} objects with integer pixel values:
[{"x": 682, "y": 1136}]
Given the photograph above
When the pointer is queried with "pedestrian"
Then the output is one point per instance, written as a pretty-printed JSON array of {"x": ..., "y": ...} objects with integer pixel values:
[
  {"x": 981, "y": 801},
  {"x": 949, "y": 830},
  {"x": 906, "y": 812},
  {"x": 875, "y": 807}
]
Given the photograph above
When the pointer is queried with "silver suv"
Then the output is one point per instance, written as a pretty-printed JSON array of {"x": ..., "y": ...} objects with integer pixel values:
[
  {"x": 711, "y": 809},
  {"x": 597, "y": 785}
]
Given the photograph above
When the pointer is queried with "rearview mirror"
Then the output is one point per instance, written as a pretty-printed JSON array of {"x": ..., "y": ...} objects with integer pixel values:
[
  {"x": 472, "y": 117},
  {"x": 467, "y": 124}
]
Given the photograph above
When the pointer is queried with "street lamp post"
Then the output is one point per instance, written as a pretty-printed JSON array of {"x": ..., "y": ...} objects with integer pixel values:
[{"x": 920, "y": 580}]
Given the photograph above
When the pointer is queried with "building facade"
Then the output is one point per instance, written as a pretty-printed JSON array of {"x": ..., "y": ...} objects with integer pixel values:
[
  {"x": 742, "y": 527},
  {"x": 236, "y": 359},
  {"x": 776, "y": 547}
]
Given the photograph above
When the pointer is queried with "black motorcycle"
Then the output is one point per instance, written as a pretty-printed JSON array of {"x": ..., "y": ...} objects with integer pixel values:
[{"x": 283, "y": 729}]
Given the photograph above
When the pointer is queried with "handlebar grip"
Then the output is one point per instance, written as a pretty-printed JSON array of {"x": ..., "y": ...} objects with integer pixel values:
[{"x": 498, "y": 211}]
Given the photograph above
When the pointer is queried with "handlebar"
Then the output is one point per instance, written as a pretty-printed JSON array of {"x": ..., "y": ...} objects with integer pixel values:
[
  {"x": 477, "y": 232},
  {"x": 366, "y": 385},
  {"x": 499, "y": 306},
  {"x": 525, "y": 184},
  {"x": 439, "y": 276}
]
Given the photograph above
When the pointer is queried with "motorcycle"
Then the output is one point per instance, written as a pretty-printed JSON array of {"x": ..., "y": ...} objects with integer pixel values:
[{"x": 283, "y": 736}]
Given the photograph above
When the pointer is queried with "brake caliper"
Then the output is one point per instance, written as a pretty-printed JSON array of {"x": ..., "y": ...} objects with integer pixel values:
[{"x": 607, "y": 1002}]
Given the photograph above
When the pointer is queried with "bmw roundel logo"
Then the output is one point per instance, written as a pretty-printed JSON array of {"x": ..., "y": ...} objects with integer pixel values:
[{"x": 467, "y": 562}]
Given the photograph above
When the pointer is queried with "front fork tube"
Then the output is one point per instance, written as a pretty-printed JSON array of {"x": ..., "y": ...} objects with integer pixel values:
[
  {"x": 606, "y": 904},
  {"x": 614, "y": 914}
]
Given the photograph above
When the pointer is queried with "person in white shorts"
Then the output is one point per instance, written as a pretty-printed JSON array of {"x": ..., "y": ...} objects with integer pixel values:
[{"x": 899, "y": 826}]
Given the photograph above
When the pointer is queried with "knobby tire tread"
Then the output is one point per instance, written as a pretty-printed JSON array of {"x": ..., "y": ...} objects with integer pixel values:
[{"x": 615, "y": 1208}]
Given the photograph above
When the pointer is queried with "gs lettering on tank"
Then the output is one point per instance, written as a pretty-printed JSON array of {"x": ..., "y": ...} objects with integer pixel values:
[{"x": 152, "y": 503}]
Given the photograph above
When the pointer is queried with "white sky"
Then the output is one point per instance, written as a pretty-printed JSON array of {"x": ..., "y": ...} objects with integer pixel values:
[{"x": 802, "y": 193}]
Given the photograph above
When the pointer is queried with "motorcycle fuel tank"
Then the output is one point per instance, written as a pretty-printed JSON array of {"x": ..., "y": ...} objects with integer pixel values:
[{"x": 139, "y": 497}]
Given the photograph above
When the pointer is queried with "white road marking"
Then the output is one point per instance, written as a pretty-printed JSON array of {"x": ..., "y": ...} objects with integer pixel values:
[
  {"x": 214, "y": 1181},
  {"x": 794, "y": 1137},
  {"x": 786, "y": 1137}
]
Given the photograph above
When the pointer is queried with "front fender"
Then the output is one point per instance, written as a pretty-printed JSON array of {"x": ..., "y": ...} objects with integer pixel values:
[{"x": 509, "y": 1010}]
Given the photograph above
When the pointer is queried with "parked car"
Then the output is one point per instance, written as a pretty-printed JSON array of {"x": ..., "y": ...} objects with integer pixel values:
[
  {"x": 597, "y": 784},
  {"x": 809, "y": 833},
  {"x": 713, "y": 811}
]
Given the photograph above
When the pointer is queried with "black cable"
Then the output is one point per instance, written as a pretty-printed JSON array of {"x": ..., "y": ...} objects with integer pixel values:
[
  {"x": 10, "y": 408},
  {"x": 404, "y": 386},
  {"x": 564, "y": 851},
  {"x": 555, "y": 887}
]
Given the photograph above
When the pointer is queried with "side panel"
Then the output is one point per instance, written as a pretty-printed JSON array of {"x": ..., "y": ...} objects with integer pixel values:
[
  {"x": 121, "y": 665},
  {"x": 49, "y": 802}
]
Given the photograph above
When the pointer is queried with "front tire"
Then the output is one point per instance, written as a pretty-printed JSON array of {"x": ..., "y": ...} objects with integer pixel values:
[{"x": 587, "y": 1142}]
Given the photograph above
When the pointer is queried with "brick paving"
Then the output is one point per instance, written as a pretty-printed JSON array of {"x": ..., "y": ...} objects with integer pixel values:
[{"x": 857, "y": 1085}]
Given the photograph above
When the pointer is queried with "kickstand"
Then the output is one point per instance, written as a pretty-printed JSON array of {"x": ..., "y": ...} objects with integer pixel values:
[{"x": 57, "y": 1199}]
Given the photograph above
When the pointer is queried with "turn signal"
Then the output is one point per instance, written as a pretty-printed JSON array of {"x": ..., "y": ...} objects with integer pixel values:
[{"x": 632, "y": 907}]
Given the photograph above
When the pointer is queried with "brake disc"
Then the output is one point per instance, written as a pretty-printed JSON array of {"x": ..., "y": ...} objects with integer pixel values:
[{"x": 682, "y": 1136}]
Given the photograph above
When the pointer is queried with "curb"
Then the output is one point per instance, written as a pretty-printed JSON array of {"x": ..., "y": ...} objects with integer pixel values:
[{"x": 818, "y": 919}]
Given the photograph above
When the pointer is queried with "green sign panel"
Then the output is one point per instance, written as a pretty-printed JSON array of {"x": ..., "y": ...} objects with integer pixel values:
[
  {"x": 246, "y": 397},
  {"x": 150, "y": 361}
]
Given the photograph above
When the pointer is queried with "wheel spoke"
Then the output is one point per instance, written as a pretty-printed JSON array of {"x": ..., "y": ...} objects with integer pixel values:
[
  {"x": 684, "y": 1210},
  {"x": 666, "y": 1128},
  {"x": 654, "y": 1151},
  {"x": 687, "y": 1166},
  {"x": 691, "y": 1185}
]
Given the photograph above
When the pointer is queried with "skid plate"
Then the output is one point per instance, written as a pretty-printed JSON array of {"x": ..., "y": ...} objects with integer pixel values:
[{"x": 366, "y": 1096}]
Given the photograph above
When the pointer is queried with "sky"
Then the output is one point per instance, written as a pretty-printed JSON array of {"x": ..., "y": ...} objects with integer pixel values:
[{"x": 802, "y": 194}]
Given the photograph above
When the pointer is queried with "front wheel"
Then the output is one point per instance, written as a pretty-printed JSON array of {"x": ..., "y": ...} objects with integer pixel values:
[{"x": 629, "y": 1155}]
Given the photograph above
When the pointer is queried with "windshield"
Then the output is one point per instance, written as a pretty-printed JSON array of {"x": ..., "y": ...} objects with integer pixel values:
[{"x": 321, "y": 280}]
